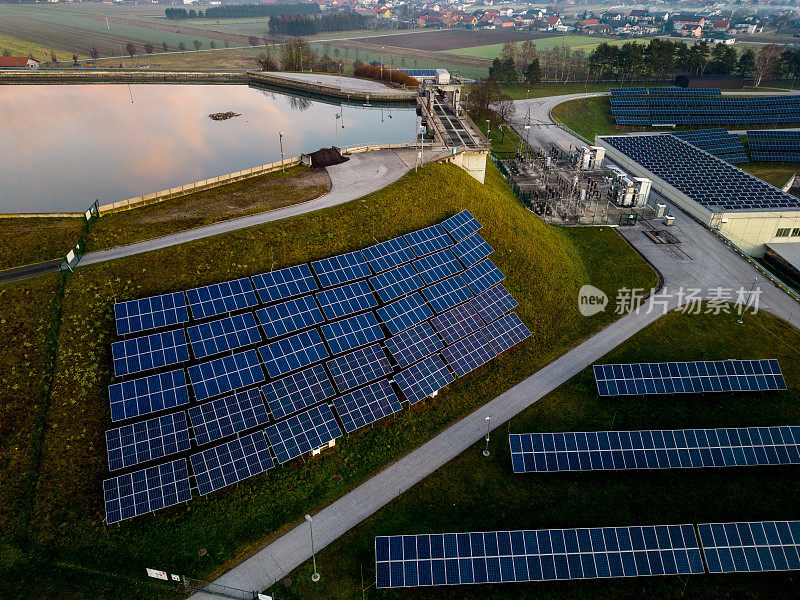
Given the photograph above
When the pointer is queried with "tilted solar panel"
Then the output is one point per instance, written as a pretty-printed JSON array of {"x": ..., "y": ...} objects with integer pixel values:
[
  {"x": 284, "y": 283},
  {"x": 447, "y": 293},
  {"x": 468, "y": 354},
  {"x": 293, "y": 352},
  {"x": 359, "y": 367},
  {"x": 749, "y": 547},
  {"x": 366, "y": 405},
  {"x": 535, "y": 555},
  {"x": 390, "y": 285},
  {"x": 290, "y": 316},
  {"x": 482, "y": 276},
  {"x": 352, "y": 332},
  {"x": 388, "y": 254},
  {"x": 461, "y": 225},
  {"x": 457, "y": 323},
  {"x": 435, "y": 267},
  {"x": 145, "y": 491},
  {"x": 150, "y": 313},
  {"x": 506, "y": 332},
  {"x": 423, "y": 378},
  {"x": 219, "y": 298},
  {"x": 428, "y": 240},
  {"x": 225, "y": 374},
  {"x": 472, "y": 250},
  {"x": 223, "y": 335},
  {"x": 341, "y": 268},
  {"x": 303, "y": 433},
  {"x": 227, "y": 416},
  {"x": 404, "y": 313},
  {"x": 147, "y": 440},
  {"x": 149, "y": 394},
  {"x": 494, "y": 303},
  {"x": 346, "y": 300},
  {"x": 413, "y": 344},
  {"x": 231, "y": 462},
  {"x": 149, "y": 352},
  {"x": 298, "y": 391}
]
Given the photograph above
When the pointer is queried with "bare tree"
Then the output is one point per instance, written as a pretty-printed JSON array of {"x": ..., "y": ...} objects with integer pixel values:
[
  {"x": 213, "y": 44},
  {"x": 148, "y": 48},
  {"x": 505, "y": 110},
  {"x": 197, "y": 44},
  {"x": 164, "y": 47},
  {"x": 130, "y": 48},
  {"x": 53, "y": 57},
  {"x": 766, "y": 64},
  {"x": 252, "y": 40},
  {"x": 74, "y": 60},
  {"x": 93, "y": 52},
  {"x": 182, "y": 47}
]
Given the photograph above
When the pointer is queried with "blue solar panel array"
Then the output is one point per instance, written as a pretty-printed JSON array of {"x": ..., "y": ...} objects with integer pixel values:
[
  {"x": 352, "y": 332},
  {"x": 141, "y": 492},
  {"x": 390, "y": 285},
  {"x": 226, "y": 374},
  {"x": 472, "y": 250},
  {"x": 293, "y": 352},
  {"x": 223, "y": 335},
  {"x": 231, "y": 462},
  {"x": 149, "y": 394},
  {"x": 359, "y": 367},
  {"x": 388, "y": 254},
  {"x": 220, "y": 298},
  {"x": 457, "y": 323},
  {"x": 482, "y": 276},
  {"x": 149, "y": 352},
  {"x": 689, "y": 377},
  {"x": 150, "y": 313},
  {"x": 404, "y": 313},
  {"x": 447, "y": 293},
  {"x": 535, "y": 555},
  {"x": 774, "y": 146},
  {"x": 461, "y": 225},
  {"x": 728, "y": 146},
  {"x": 428, "y": 240},
  {"x": 423, "y": 378},
  {"x": 341, "y": 268},
  {"x": 303, "y": 432},
  {"x": 147, "y": 440},
  {"x": 227, "y": 416},
  {"x": 707, "y": 180},
  {"x": 751, "y": 547},
  {"x": 290, "y": 316},
  {"x": 346, "y": 300},
  {"x": 413, "y": 344},
  {"x": 659, "y": 449},
  {"x": 435, "y": 267},
  {"x": 284, "y": 283},
  {"x": 366, "y": 405},
  {"x": 298, "y": 391}
]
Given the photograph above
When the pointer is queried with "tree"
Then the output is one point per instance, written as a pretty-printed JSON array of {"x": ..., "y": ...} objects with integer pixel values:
[
  {"x": 130, "y": 48},
  {"x": 509, "y": 51},
  {"x": 182, "y": 47},
  {"x": 526, "y": 55},
  {"x": 533, "y": 74},
  {"x": 164, "y": 46},
  {"x": 484, "y": 94},
  {"x": 790, "y": 63},
  {"x": 53, "y": 57},
  {"x": 148, "y": 48},
  {"x": 266, "y": 62},
  {"x": 93, "y": 52},
  {"x": 74, "y": 60},
  {"x": 297, "y": 55},
  {"x": 504, "y": 108},
  {"x": 197, "y": 44},
  {"x": 723, "y": 59},
  {"x": 252, "y": 40},
  {"x": 212, "y": 44},
  {"x": 747, "y": 63},
  {"x": 766, "y": 64},
  {"x": 6, "y": 52},
  {"x": 603, "y": 58}
]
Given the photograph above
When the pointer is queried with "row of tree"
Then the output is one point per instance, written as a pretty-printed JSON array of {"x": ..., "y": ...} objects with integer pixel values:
[
  {"x": 239, "y": 11},
  {"x": 304, "y": 25}
]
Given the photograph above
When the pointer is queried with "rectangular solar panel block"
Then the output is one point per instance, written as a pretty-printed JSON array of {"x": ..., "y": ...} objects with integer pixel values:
[
  {"x": 290, "y": 316},
  {"x": 149, "y": 352},
  {"x": 226, "y": 374},
  {"x": 223, "y": 335},
  {"x": 413, "y": 344},
  {"x": 293, "y": 352},
  {"x": 400, "y": 281},
  {"x": 231, "y": 462},
  {"x": 535, "y": 555},
  {"x": 468, "y": 354},
  {"x": 472, "y": 250},
  {"x": 388, "y": 254},
  {"x": 435, "y": 267},
  {"x": 298, "y": 391},
  {"x": 284, "y": 283},
  {"x": 219, "y": 298},
  {"x": 506, "y": 332},
  {"x": 303, "y": 432},
  {"x": 147, "y": 440},
  {"x": 150, "y": 313},
  {"x": 346, "y": 300},
  {"x": 457, "y": 323},
  {"x": 141, "y": 492},
  {"x": 149, "y": 394},
  {"x": 482, "y": 276},
  {"x": 352, "y": 332},
  {"x": 341, "y": 269},
  {"x": 461, "y": 226},
  {"x": 423, "y": 378},
  {"x": 428, "y": 240},
  {"x": 227, "y": 416},
  {"x": 494, "y": 303},
  {"x": 447, "y": 293},
  {"x": 749, "y": 547},
  {"x": 366, "y": 405},
  {"x": 359, "y": 367},
  {"x": 404, "y": 313}
]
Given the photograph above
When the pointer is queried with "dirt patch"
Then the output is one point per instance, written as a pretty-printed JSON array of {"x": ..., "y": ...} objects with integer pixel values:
[
  {"x": 326, "y": 157},
  {"x": 453, "y": 39}
]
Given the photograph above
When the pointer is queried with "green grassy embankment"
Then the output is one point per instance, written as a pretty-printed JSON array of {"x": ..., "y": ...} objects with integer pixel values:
[
  {"x": 474, "y": 493},
  {"x": 545, "y": 267}
]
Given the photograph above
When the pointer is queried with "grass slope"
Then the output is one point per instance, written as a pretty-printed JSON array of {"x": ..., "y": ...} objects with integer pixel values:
[
  {"x": 18, "y": 47},
  {"x": 575, "y": 42},
  {"x": 33, "y": 240},
  {"x": 544, "y": 266},
  {"x": 473, "y": 493}
]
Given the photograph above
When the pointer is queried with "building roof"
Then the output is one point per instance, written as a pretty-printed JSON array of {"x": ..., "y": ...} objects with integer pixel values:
[
  {"x": 788, "y": 251},
  {"x": 15, "y": 61}
]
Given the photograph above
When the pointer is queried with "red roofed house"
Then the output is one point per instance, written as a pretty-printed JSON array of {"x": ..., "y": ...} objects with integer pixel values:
[
  {"x": 587, "y": 22},
  {"x": 722, "y": 25},
  {"x": 554, "y": 21},
  {"x": 18, "y": 62}
]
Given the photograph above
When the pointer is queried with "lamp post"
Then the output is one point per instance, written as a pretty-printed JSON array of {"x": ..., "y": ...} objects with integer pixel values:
[
  {"x": 750, "y": 296},
  {"x": 488, "y": 425},
  {"x": 315, "y": 576},
  {"x": 280, "y": 137}
]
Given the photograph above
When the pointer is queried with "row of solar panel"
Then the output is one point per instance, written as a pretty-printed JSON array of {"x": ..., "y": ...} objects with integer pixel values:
[
  {"x": 602, "y": 552},
  {"x": 752, "y": 119},
  {"x": 733, "y": 105},
  {"x": 665, "y": 91},
  {"x": 776, "y": 156},
  {"x": 667, "y": 449},
  {"x": 170, "y": 309},
  {"x": 775, "y": 145},
  {"x": 772, "y": 134}
]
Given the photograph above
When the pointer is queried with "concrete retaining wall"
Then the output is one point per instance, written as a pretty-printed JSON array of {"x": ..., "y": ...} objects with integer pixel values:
[
  {"x": 118, "y": 76},
  {"x": 330, "y": 90}
]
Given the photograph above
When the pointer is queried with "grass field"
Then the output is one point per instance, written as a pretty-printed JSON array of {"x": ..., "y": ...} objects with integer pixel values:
[
  {"x": 775, "y": 173},
  {"x": 574, "y": 42},
  {"x": 18, "y": 47},
  {"x": 473, "y": 493},
  {"x": 545, "y": 267}
]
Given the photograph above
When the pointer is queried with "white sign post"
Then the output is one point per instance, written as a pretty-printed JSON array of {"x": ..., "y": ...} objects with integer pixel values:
[{"x": 157, "y": 574}]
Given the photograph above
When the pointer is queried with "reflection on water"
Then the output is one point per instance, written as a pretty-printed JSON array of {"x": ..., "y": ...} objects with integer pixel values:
[{"x": 62, "y": 146}]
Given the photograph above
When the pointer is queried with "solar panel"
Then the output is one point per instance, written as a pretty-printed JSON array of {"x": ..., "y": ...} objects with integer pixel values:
[
  {"x": 430, "y": 239},
  {"x": 150, "y": 313},
  {"x": 535, "y": 555},
  {"x": 482, "y": 276},
  {"x": 424, "y": 378},
  {"x": 341, "y": 269},
  {"x": 413, "y": 344},
  {"x": 447, "y": 293},
  {"x": 289, "y": 316},
  {"x": 506, "y": 332},
  {"x": 303, "y": 432},
  {"x": 366, "y": 405},
  {"x": 397, "y": 282},
  {"x": 352, "y": 332},
  {"x": 359, "y": 367},
  {"x": 689, "y": 377},
  {"x": 404, "y": 313},
  {"x": 298, "y": 391},
  {"x": 223, "y": 335},
  {"x": 219, "y": 298},
  {"x": 346, "y": 300},
  {"x": 293, "y": 352},
  {"x": 461, "y": 225},
  {"x": 147, "y": 440},
  {"x": 149, "y": 394},
  {"x": 750, "y": 547},
  {"x": 664, "y": 449},
  {"x": 149, "y": 352},
  {"x": 145, "y": 491},
  {"x": 223, "y": 375},
  {"x": 493, "y": 303},
  {"x": 435, "y": 267},
  {"x": 773, "y": 134},
  {"x": 472, "y": 250},
  {"x": 231, "y": 462},
  {"x": 284, "y": 283},
  {"x": 227, "y": 416},
  {"x": 457, "y": 323},
  {"x": 388, "y": 254},
  {"x": 468, "y": 354}
]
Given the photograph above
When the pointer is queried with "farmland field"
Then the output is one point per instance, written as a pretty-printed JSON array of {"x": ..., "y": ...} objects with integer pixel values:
[
  {"x": 18, "y": 47},
  {"x": 574, "y": 42},
  {"x": 444, "y": 40}
]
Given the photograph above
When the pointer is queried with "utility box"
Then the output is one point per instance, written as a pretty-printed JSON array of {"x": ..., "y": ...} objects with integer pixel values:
[
  {"x": 669, "y": 220},
  {"x": 598, "y": 155},
  {"x": 442, "y": 76},
  {"x": 642, "y": 186},
  {"x": 661, "y": 210}
]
